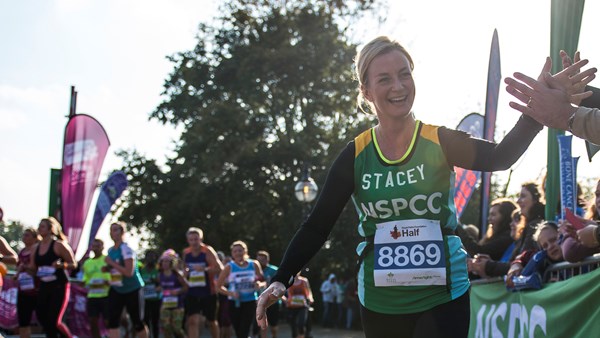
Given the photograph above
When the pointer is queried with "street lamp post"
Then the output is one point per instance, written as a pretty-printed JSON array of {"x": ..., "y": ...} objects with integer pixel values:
[{"x": 306, "y": 189}]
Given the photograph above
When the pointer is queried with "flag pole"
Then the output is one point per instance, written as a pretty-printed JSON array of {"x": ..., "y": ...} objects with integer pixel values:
[
  {"x": 489, "y": 124},
  {"x": 565, "y": 24}
]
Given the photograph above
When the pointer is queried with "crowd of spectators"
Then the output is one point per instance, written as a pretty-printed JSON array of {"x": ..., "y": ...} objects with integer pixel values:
[{"x": 201, "y": 288}]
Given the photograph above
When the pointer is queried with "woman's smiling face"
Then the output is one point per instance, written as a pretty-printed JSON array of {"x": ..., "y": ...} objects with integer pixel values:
[{"x": 390, "y": 86}]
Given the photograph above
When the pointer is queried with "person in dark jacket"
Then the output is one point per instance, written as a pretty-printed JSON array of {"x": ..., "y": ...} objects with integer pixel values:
[{"x": 497, "y": 237}]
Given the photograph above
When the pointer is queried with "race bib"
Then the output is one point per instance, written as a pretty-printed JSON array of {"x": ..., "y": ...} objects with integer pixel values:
[
  {"x": 97, "y": 286},
  {"x": 26, "y": 282},
  {"x": 46, "y": 273},
  {"x": 409, "y": 252},
  {"x": 244, "y": 282},
  {"x": 116, "y": 278},
  {"x": 169, "y": 299},
  {"x": 150, "y": 291},
  {"x": 298, "y": 300},
  {"x": 197, "y": 278}
]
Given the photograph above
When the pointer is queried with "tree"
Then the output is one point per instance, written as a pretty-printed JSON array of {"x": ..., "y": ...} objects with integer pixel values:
[
  {"x": 267, "y": 88},
  {"x": 12, "y": 233}
]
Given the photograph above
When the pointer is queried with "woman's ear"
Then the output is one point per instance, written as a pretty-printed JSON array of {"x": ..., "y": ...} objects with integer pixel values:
[{"x": 365, "y": 93}]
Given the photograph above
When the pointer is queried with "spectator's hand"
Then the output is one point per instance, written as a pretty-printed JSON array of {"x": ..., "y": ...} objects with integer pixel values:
[
  {"x": 515, "y": 270},
  {"x": 478, "y": 265},
  {"x": 470, "y": 262},
  {"x": 545, "y": 69},
  {"x": 266, "y": 299},
  {"x": 587, "y": 236},
  {"x": 482, "y": 257},
  {"x": 553, "y": 93},
  {"x": 567, "y": 229},
  {"x": 572, "y": 79}
]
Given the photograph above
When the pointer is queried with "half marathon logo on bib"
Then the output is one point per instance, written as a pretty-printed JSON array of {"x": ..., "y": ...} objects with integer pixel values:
[{"x": 409, "y": 252}]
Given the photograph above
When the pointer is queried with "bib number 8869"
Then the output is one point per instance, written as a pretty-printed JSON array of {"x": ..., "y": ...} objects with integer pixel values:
[{"x": 402, "y": 256}]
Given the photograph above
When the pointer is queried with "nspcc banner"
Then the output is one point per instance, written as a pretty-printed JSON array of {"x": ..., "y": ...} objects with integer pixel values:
[
  {"x": 85, "y": 147},
  {"x": 562, "y": 309}
]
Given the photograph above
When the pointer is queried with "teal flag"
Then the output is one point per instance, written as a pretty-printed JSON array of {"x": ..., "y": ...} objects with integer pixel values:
[
  {"x": 562, "y": 309},
  {"x": 565, "y": 23}
]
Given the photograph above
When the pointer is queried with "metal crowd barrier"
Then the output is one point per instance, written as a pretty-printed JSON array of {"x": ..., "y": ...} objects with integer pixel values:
[
  {"x": 565, "y": 270},
  {"x": 557, "y": 272}
]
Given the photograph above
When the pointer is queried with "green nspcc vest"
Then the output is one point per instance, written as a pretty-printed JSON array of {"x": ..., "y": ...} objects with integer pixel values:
[{"x": 406, "y": 210}]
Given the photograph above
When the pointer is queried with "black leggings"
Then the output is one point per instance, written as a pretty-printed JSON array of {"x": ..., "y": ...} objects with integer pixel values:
[
  {"x": 297, "y": 320},
  {"x": 53, "y": 299},
  {"x": 152, "y": 316},
  {"x": 242, "y": 317},
  {"x": 449, "y": 320},
  {"x": 134, "y": 303},
  {"x": 26, "y": 303}
]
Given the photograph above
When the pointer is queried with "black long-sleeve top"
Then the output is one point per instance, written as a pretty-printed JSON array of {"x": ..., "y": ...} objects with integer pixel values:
[{"x": 460, "y": 149}]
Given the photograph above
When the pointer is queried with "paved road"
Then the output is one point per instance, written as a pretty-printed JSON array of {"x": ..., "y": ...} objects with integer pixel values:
[
  {"x": 318, "y": 332},
  {"x": 284, "y": 332}
]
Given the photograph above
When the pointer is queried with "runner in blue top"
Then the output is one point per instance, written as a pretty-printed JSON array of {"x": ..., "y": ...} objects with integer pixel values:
[
  {"x": 244, "y": 276},
  {"x": 126, "y": 289}
]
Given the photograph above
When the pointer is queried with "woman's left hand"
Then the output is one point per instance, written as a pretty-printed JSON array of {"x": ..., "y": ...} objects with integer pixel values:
[{"x": 271, "y": 295}]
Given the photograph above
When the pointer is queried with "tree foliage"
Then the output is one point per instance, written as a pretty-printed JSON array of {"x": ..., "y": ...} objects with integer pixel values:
[
  {"x": 268, "y": 88},
  {"x": 12, "y": 233}
]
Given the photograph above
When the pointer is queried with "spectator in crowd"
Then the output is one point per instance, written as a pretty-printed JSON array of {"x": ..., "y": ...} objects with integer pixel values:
[
  {"x": 580, "y": 207},
  {"x": 97, "y": 283},
  {"x": 224, "y": 315},
  {"x": 126, "y": 289},
  {"x": 201, "y": 265},
  {"x": 516, "y": 231},
  {"x": 28, "y": 283},
  {"x": 485, "y": 267},
  {"x": 532, "y": 209},
  {"x": 546, "y": 236},
  {"x": 339, "y": 302},
  {"x": 472, "y": 231},
  {"x": 497, "y": 237},
  {"x": 244, "y": 276},
  {"x": 299, "y": 298},
  {"x": 152, "y": 297},
  {"x": 351, "y": 302},
  {"x": 53, "y": 256},
  {"x": 269, "y": 270},
  {"x": 593, "y": 211},
  {"x": 573, "y": 249},
  {"x": 328, "y": 293},
  {"x": 531, "y": 203},
  {"x": 173, "y": 286}
]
